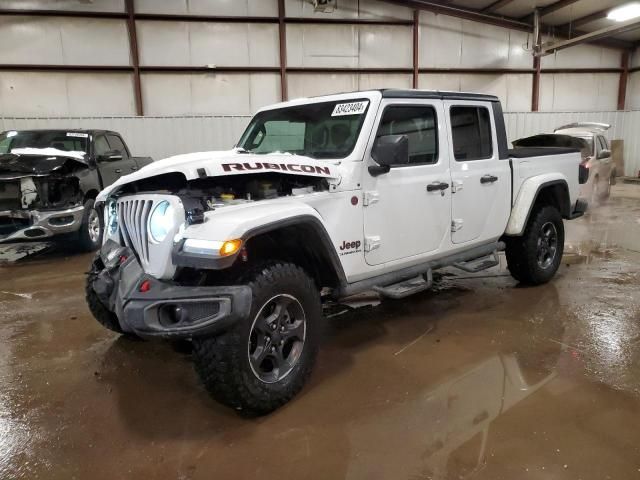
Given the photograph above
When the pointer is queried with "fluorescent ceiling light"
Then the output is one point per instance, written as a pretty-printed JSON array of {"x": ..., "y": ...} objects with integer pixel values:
[{"x": 625, "y": 12}]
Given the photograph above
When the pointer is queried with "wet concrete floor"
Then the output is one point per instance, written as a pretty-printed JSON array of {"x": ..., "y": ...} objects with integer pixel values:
[{"x": 478, "y": 379}]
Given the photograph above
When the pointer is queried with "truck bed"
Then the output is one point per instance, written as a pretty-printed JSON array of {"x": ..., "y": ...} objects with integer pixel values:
[{"x": 528, "y": 152}]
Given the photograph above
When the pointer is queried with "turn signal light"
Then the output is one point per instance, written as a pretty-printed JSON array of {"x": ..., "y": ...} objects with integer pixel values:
[
  {"x": 145, "y": 286},
  {"x": 230, "y": 247}
]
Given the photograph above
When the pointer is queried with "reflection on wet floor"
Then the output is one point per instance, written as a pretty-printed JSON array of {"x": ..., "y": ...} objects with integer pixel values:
[{"x": 479, "y": 378}]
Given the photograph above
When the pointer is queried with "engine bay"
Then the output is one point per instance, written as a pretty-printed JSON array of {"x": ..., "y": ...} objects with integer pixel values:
[
  {"x": 43, "y": 192},
  {"x": 209, "y": 193}
]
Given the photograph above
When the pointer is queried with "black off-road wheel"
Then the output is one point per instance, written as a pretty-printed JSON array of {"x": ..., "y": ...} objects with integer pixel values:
[
  {"x": 264, "y": 360},
  {"x": 90, "y": 233},
  {"x": 102, "y": 314},
  {"x": 534, "y": 257}
]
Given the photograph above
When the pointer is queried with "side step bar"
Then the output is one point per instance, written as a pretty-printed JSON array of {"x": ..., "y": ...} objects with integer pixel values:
[
  {"x": 411, "y": 272},
  {"x": 478, "y": 264},
  {"x": 408, "y": 287}
]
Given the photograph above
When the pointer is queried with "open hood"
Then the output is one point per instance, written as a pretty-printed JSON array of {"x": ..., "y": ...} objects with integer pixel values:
[
  {"x": 590, "y": 126},
  {"x": 231, "y": 162},
  {"x": 35, "y": 165}
]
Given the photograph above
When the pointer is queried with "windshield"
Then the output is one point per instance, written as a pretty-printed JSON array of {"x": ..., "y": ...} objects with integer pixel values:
[
  {"x": 45, "y": 142},
  {"x": 317, "y": 130}
]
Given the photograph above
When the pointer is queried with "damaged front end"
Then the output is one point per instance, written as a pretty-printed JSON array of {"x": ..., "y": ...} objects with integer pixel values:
[
  {"x": 39, "y": 197},
  {"x": 164, "y": 269}
]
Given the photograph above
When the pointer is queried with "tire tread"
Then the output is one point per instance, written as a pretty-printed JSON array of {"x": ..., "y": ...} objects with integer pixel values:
[
  {"x": 521, "y": 251},
  {"x": 220, "y": 361}
]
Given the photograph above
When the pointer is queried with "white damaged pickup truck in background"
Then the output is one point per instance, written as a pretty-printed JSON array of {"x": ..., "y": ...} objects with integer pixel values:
[{"x": 322, "y": 198}]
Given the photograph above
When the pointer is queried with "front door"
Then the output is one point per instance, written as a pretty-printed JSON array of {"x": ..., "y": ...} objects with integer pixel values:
[
  {"x": 110, "y": 170},
  {"x": 407, "y": 211},
  {"x": 481, "y": 181}
]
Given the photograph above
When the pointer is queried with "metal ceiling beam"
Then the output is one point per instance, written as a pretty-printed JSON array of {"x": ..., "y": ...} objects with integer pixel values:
[
  {"x": 553, "y": 7},
  {"x": 600, "y": 34},
  {"x": 497, "y": 5},
  {"x": 467, "y": 14},
  {"x": 504, "y": 22},
  {"x": 564, "y": 32},
  {"x": 592, "y": 17}
]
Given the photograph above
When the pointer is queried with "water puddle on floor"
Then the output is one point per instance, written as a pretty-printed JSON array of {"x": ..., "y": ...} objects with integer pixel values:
[{"x": 603, "y": 231}]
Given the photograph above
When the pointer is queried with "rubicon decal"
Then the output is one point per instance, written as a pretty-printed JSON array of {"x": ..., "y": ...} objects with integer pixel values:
[
  {"x": 283, "y": 167},
  {"x": 350, "y": 247}
]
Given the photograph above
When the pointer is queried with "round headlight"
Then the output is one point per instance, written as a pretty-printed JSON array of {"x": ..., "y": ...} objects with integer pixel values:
[
  {"x": 112, "y": 217},
  {"x": 161, "y": 221}
]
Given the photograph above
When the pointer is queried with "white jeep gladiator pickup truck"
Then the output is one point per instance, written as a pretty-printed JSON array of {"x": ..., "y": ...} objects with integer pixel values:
[{"x": 322, "y": 198}]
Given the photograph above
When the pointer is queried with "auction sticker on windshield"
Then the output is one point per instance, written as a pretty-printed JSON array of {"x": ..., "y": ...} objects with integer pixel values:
[
  {"x": 353, "y": 108},
  {"x": 77, "y": 134}
]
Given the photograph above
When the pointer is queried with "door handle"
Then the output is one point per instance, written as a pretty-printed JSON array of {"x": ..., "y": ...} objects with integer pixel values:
[
  {"x": 118, "y": 170},
  {"x": 488, "y": 179},
  {"x": 134, "y": 168},
  {"x": 432, "y": 187}
]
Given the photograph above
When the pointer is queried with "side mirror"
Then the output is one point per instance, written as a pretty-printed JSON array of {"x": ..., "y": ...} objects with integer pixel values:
[
  {"x": 111, "y": 156},
  {"x": 389, "y": 150},
  {"x": 604, "y": 154}
]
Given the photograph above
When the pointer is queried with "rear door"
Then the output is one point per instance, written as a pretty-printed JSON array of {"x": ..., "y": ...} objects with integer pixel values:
[
  {"x": 408, "y": 210},
  {"x": 481, "y": 182}
]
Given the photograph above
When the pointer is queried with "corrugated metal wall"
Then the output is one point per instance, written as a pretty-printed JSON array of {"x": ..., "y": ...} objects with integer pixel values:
[
  {"x": 445, "y": 42},
  {"x": 161, "y": 137}
]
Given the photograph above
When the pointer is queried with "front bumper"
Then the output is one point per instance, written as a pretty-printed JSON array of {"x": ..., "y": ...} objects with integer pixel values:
[
  {"x": 38, "y": 224},
  {"x": 164, "y": 310}
]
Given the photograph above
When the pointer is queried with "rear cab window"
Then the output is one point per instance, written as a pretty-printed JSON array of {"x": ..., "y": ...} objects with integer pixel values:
[{"x": 471, "y": 132}]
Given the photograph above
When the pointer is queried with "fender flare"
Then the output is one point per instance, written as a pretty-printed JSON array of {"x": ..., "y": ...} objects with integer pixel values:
[
  {"x": 319, "y": 229},
  {"x": 526, "y": 199},
  {"x": 184, "y": 259}
]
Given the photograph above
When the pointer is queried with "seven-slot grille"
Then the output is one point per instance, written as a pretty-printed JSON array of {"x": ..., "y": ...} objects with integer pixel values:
[{"x": 133, "y": 217}]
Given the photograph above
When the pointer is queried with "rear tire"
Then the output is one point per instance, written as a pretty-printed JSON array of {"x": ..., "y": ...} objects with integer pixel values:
[
  {"x": 535, "y": 257},
  {"x": 265, "y": 359},
  {"x": 607, "y": 193},
  {"x": 91, "y": 229}
]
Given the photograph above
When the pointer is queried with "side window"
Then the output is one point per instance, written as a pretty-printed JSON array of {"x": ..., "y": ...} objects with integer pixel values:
[
  {"x": 116, "y": 144},
  {"x": 603, "y": 143},
  {"x": 100, "y": 146},
  {"x": 471, "y": 132},
  {"x": 419, "y": 124},
  {"x": 4, "y": 145}
]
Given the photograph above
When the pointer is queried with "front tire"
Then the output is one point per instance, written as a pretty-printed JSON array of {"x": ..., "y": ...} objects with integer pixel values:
[
  {"x": 91, "y": 229},
  {"x": 102, "y": 314},
  {"x": 264, "y": 360},
  {"x": 534, "y": 257}
]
